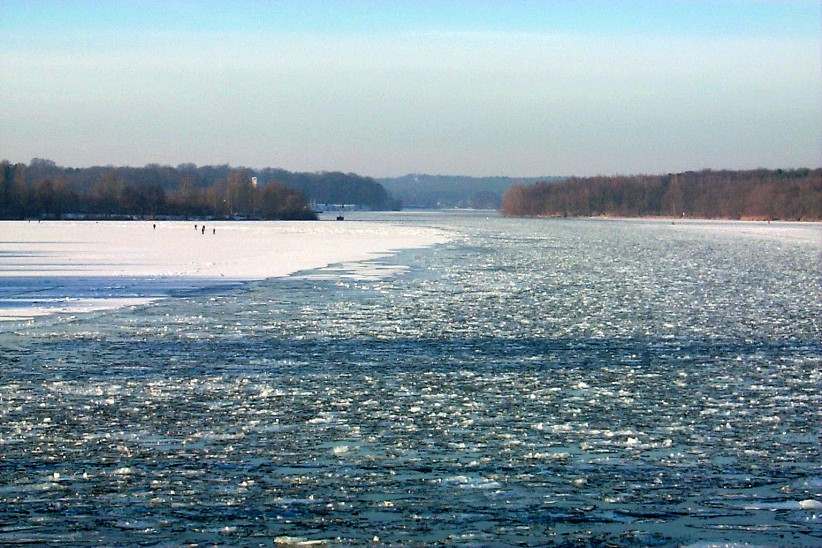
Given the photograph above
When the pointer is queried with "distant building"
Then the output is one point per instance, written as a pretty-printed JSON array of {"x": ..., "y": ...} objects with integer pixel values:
[{"x": 319, "y": 206}]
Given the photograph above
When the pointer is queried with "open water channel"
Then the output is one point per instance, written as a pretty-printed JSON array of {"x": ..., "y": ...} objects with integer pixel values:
[{"x": 531, "y": 381}]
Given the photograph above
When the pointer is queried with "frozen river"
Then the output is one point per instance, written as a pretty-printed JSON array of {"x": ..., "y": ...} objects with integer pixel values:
[
  {"x": 82, "y": 266},
  {"x": 523, "y": 381}
]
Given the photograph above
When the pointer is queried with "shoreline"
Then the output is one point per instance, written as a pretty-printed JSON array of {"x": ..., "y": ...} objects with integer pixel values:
[
  {"x": 798, "y": 232},
  {"x": 667, "y": 218}
]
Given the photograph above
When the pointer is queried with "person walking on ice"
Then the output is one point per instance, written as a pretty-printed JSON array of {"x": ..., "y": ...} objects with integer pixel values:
[{"x": 203, "y": 231}]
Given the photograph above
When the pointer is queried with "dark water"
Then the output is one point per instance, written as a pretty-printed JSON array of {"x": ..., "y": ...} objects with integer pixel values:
[{"x": 530, "y": 382}]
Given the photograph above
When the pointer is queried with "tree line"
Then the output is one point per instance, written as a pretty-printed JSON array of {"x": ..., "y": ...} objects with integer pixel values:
[
  {"x": 793, "y": 194},
  {"x": 334, "y": 187},
  {"x": 44, "y": 190}
]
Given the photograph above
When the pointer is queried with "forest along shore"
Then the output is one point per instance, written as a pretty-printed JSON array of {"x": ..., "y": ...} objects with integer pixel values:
[
  {"x": 44, "y": 190},
  {"x": 793, "y": 195},
  {"x": 76, "y": 266}
]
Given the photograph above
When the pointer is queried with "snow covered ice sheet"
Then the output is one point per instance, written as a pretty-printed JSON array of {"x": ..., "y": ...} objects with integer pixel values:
[{"x": 79, "y": 266}]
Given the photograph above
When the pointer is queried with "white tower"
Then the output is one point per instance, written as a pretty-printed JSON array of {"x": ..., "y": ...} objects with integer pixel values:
[{"x": 254, "y": 182}]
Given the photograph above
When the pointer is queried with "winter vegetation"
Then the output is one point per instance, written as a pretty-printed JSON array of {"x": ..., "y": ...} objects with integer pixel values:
[
  {"x": 43, "y": 189},
  {"x": 794, "y": 194}
]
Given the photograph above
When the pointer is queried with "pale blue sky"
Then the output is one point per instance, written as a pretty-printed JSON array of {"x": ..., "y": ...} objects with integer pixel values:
[{"x": 386, "y": 88}]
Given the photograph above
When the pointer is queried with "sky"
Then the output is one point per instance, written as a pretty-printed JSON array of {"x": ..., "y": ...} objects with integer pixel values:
[{"x": 382, "y": 88}]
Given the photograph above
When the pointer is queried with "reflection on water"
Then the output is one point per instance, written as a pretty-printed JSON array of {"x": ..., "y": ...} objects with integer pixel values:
[{"x": 532, "y": 381}]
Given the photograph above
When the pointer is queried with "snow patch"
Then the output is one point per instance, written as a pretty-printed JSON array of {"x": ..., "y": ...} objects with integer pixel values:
[{"x": 82, "y": 266}]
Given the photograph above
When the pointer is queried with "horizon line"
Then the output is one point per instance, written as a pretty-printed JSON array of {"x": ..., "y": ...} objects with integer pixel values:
[{"x": 414, "y": 173}]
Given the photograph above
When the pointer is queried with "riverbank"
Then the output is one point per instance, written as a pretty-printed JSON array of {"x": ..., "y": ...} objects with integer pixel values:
[{"x": 805, "y": 232}]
